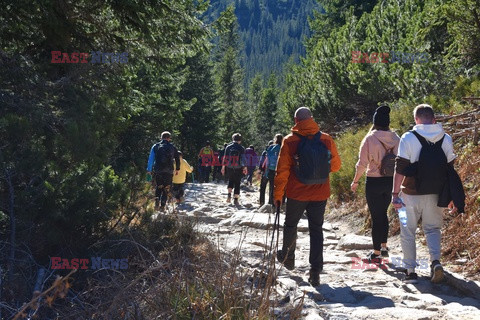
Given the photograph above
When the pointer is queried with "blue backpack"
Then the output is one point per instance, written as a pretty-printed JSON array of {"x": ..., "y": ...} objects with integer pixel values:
[
  {"x": 312, "y": 160},
  {"x": 272, "y": 157}
]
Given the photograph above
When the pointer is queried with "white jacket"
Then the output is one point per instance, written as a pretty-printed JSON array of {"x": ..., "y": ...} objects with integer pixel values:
[{"x": 410, "y": 147}]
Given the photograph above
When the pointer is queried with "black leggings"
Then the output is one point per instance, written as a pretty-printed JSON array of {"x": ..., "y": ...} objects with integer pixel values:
[
  {"x": 379, "y": 194},
  {"x": 263, "y": 188}
]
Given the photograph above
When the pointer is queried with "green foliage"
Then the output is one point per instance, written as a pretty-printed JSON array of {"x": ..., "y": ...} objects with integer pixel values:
[
  {"x": 271, "y": 32},
  {"x": 201, "y": 121},
  {"x": 348, "y": 145},
  {"x": 75, "y": 137},
  {"x": 267, "y": 112},
  {"x": 336, "y": 89},
  {"x": 229, "y": 78}
]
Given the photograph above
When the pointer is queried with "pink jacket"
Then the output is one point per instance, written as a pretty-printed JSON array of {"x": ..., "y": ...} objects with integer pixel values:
[{"x": 373, "y": 149}]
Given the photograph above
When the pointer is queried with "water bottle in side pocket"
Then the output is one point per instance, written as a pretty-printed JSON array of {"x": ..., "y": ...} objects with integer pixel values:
[
  {"x": 402, "y": 212},
  {"x": 402, "y": 215}
]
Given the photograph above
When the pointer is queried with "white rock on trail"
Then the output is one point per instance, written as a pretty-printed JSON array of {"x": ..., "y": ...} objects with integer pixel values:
[
  {"x": 350, "y": 287},
  {"x": 352, "y": 241}
]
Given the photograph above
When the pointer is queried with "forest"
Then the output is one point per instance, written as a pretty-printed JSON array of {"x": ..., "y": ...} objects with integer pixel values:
[{"x": 75, "y": 134}]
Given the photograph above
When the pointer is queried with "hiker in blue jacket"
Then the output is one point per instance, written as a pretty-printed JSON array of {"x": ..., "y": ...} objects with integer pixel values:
[
  {"x": 262, "y": 173},
  {"x": 271, "y": 163},
  {"x": 160, "y": 166}
]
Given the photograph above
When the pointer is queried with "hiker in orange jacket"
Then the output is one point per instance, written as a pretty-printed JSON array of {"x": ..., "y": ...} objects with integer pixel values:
[{"x": 302, "y": 197}]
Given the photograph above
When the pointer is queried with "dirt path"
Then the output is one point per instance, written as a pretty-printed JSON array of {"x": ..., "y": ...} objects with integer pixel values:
[{"x": 349, "y": 288}]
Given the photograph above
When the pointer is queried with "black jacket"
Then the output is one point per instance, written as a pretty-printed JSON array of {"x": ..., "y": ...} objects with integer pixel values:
[
  {"x": 234, "y": 156},
  {"x": 452, "y": 190}
]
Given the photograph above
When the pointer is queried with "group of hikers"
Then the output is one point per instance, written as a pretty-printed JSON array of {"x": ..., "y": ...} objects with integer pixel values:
[{"x": 413, "y": 172}]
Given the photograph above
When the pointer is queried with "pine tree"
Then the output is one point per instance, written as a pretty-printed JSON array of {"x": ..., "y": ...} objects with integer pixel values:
[
  {"x": 201, "y": 120},
  {"x": 266, "y": 116},
  {"x": 229, "y": 76}
]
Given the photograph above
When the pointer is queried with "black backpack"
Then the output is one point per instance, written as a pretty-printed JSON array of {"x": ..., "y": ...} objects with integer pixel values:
[
  {"x": 312, "y": 160},
  {"x": 164, "y": 156},
  {"x": 387, "y": 166},
  {"x": 234, "y": 156},
  {"x": 432, "y": 166}
]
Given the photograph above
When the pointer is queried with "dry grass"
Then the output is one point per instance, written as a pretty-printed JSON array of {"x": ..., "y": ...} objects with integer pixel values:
[
  {"x": 462, "y": 233},
  {"x": 173, "y": 273}
]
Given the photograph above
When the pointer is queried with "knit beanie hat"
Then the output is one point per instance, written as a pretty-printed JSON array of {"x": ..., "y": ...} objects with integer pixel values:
[{"x": 382, "y": 116}]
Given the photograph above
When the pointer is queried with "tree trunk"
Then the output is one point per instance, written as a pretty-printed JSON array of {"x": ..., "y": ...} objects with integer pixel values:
[{"x": 11, "y": 211}]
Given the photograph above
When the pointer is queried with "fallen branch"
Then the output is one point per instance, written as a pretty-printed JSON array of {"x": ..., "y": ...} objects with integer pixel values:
[{"x": 60, "y": 284}]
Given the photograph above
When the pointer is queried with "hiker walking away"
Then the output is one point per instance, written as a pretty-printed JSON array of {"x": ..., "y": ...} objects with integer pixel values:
[
  {"x": 262, "y": 173},
  {"x": 233, "y": 166},
  {"x": 206, "y": 156},
  {"x": 307, "y": 187},
  {"x": 377, "y": 155},
  {"x": 251, "y": 162},
  {"x": 179, "y": 179},
  {"x": 424, "y": 155},
  {"x": 161, "y": 162},
  {"x": 271, "y": 164}
]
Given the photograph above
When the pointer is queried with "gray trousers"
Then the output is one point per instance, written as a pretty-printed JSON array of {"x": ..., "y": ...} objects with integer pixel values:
[{"x": 425, "y": 207}]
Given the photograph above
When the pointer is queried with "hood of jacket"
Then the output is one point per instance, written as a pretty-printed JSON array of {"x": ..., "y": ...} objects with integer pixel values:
[
  {"x": 389, "y": 138},
  {"x": 306, "y": 127},
  {"x": 431, "y": 132}
]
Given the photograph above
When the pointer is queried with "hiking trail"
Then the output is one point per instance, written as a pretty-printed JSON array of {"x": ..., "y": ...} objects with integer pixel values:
[{"x": 348, "y": 287}]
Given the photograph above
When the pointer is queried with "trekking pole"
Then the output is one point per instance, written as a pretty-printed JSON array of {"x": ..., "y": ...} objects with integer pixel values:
[{"x": 276, "y": 225}]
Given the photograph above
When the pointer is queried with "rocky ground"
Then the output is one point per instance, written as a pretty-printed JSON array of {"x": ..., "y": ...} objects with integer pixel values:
[{"x": 350, "y": 288}]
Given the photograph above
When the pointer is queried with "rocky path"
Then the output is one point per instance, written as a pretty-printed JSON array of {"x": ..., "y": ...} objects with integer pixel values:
[{"x": 350, "y": 288}]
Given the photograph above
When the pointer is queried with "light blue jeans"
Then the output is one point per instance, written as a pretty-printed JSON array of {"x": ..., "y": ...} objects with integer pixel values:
[{"x": 425, "y": 207}]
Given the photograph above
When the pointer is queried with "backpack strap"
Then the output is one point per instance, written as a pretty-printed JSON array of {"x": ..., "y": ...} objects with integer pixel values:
[
  {"x": 424, "y": 141},
  {"x": 421, "y": 139},
  {"x": 318, "y": 134}
]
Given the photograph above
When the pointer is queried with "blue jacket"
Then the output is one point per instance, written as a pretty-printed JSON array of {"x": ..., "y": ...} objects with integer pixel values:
[{"x": 151, "y": 158}]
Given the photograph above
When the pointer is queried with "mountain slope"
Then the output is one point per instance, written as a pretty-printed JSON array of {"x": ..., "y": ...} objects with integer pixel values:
[{"x": 271, "y": 31}]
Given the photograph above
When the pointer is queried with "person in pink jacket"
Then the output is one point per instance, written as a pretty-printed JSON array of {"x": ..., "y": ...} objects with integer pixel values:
[{"x": 377, "y": 158}]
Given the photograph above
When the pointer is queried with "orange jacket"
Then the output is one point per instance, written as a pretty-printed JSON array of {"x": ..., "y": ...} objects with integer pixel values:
[{"x": 285, "y": 179}]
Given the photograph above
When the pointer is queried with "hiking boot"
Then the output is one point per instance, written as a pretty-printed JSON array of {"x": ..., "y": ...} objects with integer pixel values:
[
  {"x": 288, "y": 263},
  {"x": 162, "y": 208},
  {"x": 384, "y": 252},
  {"x": 314, "y": 278},
  {"x": 235, "y": 201},
  {"x": 410, "y": 277},
  {"x": 157, "y": 204},
  {"x": 374, "y": 258},
  {"x": 229, "y": 199},
  {"x": 436, "y": 272}
]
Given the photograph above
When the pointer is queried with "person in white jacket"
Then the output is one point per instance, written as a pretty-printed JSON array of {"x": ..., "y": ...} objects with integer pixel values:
[
  {"x": 420, "y": 204},
  {"x": 379, "y": 141}
]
